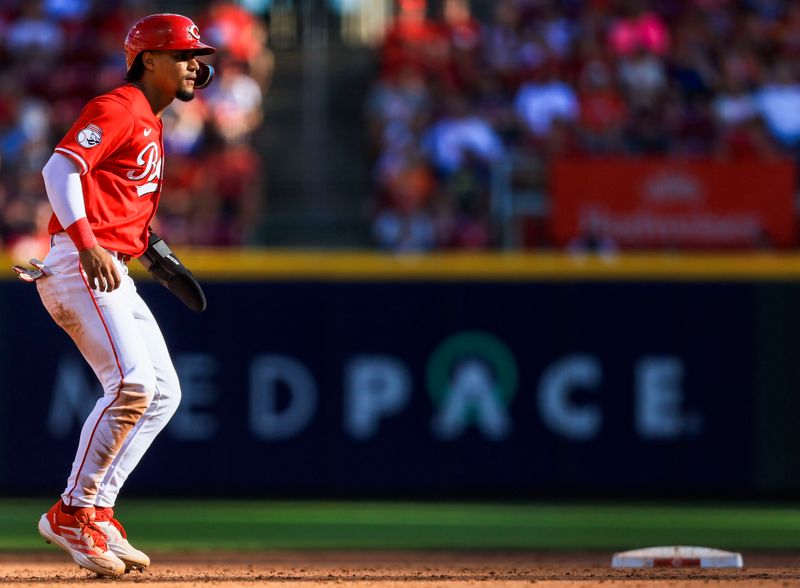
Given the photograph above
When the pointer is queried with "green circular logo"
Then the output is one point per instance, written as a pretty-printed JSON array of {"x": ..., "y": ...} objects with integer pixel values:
[{"x": 472, "y": 345}]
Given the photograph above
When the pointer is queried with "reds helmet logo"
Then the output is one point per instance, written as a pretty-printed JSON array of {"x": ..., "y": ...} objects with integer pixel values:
[
  {"x": 89, "y": 136},
  {"x": 194, "y": 31}
]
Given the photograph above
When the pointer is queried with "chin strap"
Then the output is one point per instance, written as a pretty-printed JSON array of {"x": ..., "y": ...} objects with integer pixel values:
[{"x": 204, "y": 76}]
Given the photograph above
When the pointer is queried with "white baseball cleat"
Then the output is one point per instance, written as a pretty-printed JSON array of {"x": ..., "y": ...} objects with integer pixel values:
[
  {"x": 118, "y": 540},
  {"x": 81, "y": 538}
]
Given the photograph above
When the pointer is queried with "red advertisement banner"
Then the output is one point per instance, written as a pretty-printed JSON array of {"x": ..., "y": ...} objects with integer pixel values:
[{"x": 674, "y": 203}]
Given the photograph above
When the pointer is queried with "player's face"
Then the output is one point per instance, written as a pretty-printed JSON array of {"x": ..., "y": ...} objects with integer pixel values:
[{"x": 176, "y": 72}]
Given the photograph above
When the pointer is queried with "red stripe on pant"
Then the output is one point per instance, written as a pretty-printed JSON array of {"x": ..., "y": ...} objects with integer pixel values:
[{"x": 121, "y": 378}]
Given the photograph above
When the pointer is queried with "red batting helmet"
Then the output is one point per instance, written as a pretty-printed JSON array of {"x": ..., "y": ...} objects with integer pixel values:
[{"x": 164, "y": 32}]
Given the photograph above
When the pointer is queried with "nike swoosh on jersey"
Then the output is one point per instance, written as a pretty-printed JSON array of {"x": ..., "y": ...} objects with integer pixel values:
[{"x": 147, "y": 132}]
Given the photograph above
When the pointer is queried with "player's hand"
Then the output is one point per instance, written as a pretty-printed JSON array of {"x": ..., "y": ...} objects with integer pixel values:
[{"x": 101, "y": 271}]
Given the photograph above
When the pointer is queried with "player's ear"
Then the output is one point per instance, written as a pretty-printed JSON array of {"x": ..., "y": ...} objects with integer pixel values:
[{"x": 149, "y": 60}]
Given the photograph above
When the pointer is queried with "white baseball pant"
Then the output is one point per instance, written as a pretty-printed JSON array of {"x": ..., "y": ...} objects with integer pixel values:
[{"x": 120, "y": 339}]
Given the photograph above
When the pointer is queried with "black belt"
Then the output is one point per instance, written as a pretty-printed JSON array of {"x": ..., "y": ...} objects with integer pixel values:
[{"x": 123, "y": 257}]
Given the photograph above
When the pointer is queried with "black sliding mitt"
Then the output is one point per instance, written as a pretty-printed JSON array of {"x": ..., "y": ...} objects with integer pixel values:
[{"x": 167, "y": 269}]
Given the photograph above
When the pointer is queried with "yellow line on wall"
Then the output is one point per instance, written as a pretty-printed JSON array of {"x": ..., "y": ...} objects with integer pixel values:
[{"x": 256, "y": 265}]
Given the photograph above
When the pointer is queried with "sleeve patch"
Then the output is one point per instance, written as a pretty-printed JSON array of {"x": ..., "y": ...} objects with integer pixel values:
[{"x": 89, "y": 136}]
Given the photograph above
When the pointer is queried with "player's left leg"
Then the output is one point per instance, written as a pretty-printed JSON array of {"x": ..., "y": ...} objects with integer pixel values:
[{"x": 163, "y": 406}]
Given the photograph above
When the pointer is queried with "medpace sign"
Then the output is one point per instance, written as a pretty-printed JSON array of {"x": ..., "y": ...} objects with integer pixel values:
[
  {"x": 469, "y": 387},
  {"x": 411, "y": 389}
]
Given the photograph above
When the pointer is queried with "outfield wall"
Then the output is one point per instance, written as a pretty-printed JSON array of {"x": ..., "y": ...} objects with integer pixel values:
[{"x": 520, "y": 376}]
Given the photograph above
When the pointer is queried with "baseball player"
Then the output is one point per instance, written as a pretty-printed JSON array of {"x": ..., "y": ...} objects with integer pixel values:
[{"x": 104, "y": 181}]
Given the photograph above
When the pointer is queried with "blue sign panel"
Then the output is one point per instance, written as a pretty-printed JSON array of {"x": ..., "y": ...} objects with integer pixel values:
[{"x": 404, "y": 389}]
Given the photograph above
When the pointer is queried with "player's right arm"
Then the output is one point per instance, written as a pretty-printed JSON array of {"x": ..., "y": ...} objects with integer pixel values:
[
  {"x": 62, "y": 180},
  {"x": 103, "y": 125}
]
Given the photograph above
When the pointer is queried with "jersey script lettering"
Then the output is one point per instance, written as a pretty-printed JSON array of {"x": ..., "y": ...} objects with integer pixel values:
[{"x": 148, "y": 157}]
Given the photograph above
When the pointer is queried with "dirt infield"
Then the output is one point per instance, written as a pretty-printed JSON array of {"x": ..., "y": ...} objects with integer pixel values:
[{"x": 395, "y": 569}]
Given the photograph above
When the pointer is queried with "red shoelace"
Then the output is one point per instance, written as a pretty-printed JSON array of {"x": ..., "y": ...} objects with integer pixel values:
[
  {"x": 106, "y": 514},
  {"x": 87, "y": 525}
]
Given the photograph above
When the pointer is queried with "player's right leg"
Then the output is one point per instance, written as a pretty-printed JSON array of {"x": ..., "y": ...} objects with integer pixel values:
[{"x": 104, "y": 329}]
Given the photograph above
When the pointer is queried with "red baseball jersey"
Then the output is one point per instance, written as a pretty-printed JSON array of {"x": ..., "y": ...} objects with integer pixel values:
[{"x": 118, "y": 146}]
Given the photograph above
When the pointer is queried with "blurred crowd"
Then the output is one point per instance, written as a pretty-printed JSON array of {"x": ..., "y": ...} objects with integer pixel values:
[
  {"x": 55, "y": 55},
  {"x": 547, "y": 78}
]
